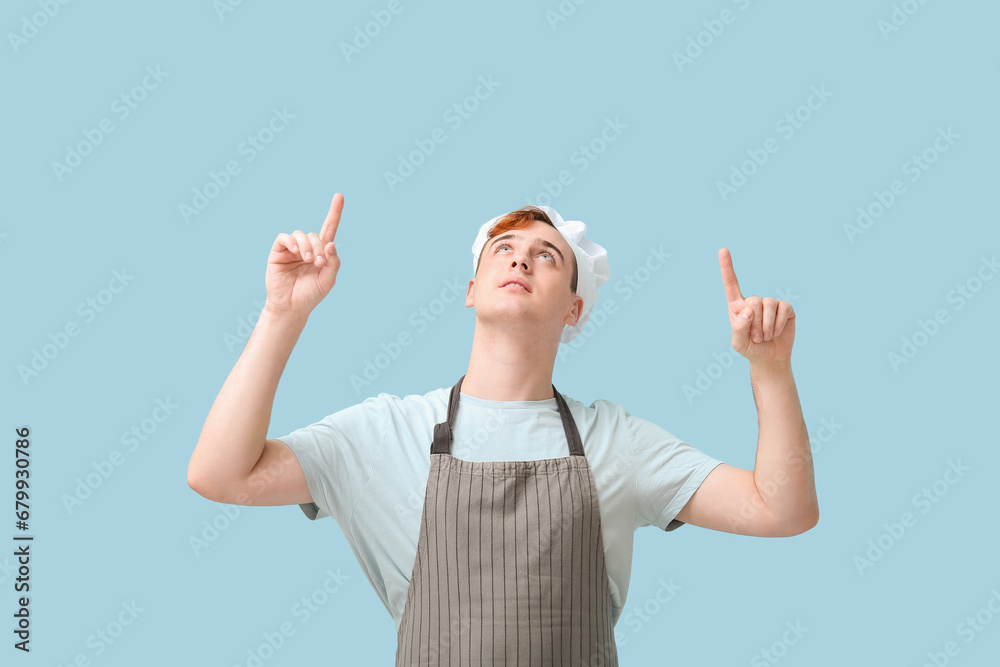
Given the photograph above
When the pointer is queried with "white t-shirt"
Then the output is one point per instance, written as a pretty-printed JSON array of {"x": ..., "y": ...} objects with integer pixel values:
[{"x": 367, "y": 467}]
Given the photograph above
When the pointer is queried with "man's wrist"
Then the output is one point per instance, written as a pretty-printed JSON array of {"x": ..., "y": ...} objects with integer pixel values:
[
  {"x": 767, "y": 369},
  {"x": 282, "y": 319}
]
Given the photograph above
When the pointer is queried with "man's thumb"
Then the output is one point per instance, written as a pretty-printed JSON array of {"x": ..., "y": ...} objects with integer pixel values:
[{"x": 741, "y": 329}]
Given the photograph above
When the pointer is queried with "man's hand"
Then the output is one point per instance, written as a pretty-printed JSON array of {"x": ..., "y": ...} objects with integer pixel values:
[
  {"x": 302, "y": 267},
  {"x": 763, "y": 328}
]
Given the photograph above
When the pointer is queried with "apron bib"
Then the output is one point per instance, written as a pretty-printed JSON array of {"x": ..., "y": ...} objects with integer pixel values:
[{"x": 510, "y": 565}]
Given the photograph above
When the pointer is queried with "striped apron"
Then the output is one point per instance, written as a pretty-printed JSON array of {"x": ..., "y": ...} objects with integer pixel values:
[{"x": 510, "y": 563}]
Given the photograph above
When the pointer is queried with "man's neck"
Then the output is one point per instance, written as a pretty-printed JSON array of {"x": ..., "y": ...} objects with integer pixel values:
[{"x": 504, "y": 367}]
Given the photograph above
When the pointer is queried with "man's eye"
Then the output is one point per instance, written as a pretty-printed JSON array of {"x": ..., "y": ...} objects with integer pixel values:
[{"x": 545, "y": 253}]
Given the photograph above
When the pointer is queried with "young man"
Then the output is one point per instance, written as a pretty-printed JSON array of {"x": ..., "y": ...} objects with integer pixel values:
[{"x": 495, "y": 518}]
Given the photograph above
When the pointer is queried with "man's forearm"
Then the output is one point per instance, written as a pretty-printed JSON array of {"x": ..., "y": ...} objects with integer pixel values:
[
  {"x": 783, "y": 470},
  {"x": 232, "y": 438}
]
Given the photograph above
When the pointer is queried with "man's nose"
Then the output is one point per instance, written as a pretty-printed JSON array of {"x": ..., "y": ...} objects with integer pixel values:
[{"x": 523, "y": 264}]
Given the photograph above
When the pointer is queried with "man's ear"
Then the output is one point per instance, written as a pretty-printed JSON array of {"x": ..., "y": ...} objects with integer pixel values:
[
  {"x": 576, "y": 312},
  {"x": 468, "y": 294}
]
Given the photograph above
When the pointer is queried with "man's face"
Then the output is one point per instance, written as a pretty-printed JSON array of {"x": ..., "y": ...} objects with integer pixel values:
[{"x": 523, "y": 280}]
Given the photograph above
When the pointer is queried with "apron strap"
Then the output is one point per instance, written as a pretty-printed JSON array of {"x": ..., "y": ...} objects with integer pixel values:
[
  {"x": 443, "y": 433},
  {"x": 569, "y": 425}
]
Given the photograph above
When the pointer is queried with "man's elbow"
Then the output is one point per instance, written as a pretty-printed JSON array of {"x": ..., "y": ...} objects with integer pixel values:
[
  {"x": 802, "y": 524},
  {"x": 195, "y": 484},
  {"x": 199, "y": 486},
  {"x": 790, "y": 525}
]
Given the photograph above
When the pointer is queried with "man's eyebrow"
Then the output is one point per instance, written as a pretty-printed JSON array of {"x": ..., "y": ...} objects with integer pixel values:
[{"x": 538, "y": 241}]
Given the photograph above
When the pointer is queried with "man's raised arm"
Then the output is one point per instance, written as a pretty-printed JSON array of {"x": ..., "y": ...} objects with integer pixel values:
[
  {"x": 233, "y": 461},
  {"x": 778, "y": 497}
]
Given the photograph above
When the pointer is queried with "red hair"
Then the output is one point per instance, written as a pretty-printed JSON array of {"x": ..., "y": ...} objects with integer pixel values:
[{"x": 521, "y": 219}]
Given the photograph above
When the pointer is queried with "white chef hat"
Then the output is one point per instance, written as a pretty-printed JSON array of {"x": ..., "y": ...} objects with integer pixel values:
[{"x": 591, "y": 262}]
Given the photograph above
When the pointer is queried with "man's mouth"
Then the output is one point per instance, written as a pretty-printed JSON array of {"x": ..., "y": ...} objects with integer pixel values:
[{"x": 513, "y": 284}]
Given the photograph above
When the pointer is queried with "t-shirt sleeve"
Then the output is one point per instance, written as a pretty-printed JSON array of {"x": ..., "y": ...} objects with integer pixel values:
[
  {"x": 668, "y": 472},
  {"x": 337, "y": 454}
]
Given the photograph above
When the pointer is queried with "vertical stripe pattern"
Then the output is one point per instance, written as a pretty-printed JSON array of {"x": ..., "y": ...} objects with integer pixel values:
[{"x": 510, "y": 566}]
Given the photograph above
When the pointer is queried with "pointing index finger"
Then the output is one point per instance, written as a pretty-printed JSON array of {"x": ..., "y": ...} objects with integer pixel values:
[
  {"x": 329, "y": 229},
  {"x": 729, "y": 282}
]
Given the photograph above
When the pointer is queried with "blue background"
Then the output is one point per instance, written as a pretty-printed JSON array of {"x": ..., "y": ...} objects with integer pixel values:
[{"x": 197, "y": 282}]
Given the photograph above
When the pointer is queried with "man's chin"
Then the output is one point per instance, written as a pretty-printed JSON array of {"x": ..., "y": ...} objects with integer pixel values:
[{"x": 517, "y": 321}]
